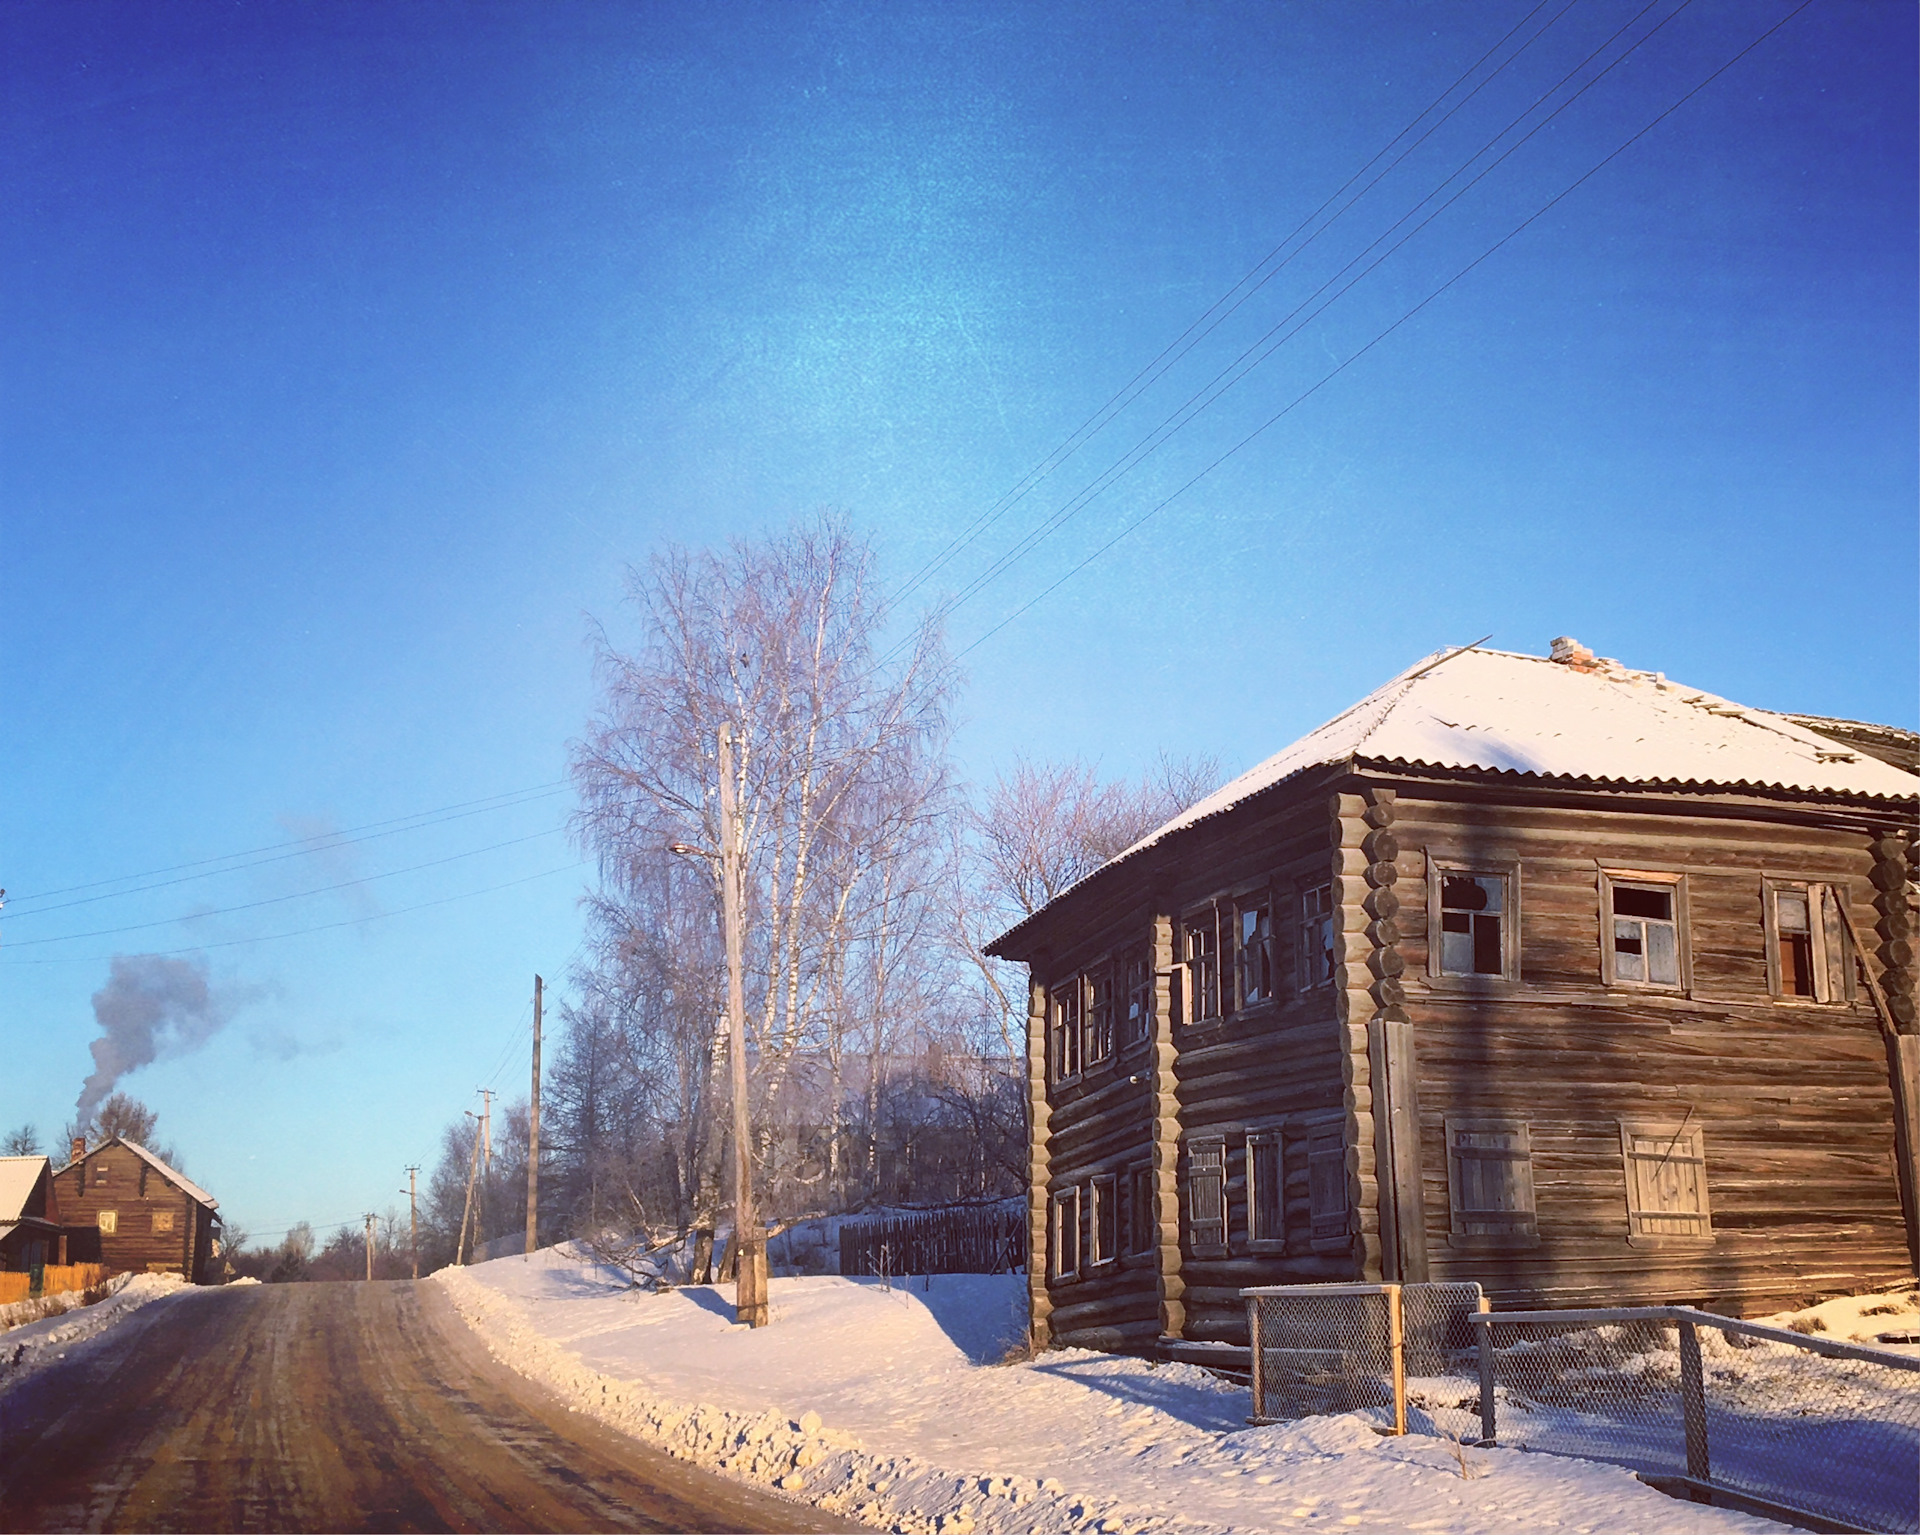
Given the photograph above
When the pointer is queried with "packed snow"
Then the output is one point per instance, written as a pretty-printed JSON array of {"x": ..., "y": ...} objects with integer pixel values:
[
  {"x": 33, "y": 1344},
  {"x": 911, "y": 1408}
]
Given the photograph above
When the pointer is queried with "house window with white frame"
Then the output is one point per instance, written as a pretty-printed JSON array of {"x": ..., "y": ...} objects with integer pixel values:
[
  {"x": 1806, "y": 941},
  {"x": 1103, "y": 1221},
  {"x": 1066, "y": 1234},
  {"x": 1316, "y": 936},
  {"x": 1644, "y": 930},
  {"x": 1200, "y": 944}
]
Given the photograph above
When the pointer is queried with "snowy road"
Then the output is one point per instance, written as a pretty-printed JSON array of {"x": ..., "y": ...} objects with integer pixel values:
[{"x": 330, "y": 1407}]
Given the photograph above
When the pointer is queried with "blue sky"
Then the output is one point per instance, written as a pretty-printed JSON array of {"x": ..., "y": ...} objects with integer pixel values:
[{"x": 348, "y": 351}]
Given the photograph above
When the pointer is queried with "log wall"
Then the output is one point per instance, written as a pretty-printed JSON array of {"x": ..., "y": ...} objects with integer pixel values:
[{"x": 136, "y": 1194}]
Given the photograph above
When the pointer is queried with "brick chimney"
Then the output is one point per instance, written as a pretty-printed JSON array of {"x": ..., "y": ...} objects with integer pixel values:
[
  {"x": 78, "y": 1150},
  {"x": 1570, "y": 652}
]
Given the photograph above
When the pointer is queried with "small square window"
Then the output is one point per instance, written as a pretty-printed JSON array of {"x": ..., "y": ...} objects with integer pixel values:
[
  {"x": 1644, "y": 931},
  {"x": 163, "y": 1220},
  {"x": 1316, "y": 936},
  {"x": 109, "y": 1221}
]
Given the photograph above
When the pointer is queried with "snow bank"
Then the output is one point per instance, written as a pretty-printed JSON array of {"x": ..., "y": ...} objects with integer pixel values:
[
  {"x": 32, "y": 1345},
  {"x": 1867, "y": 1319},
  {"x": 884, "y": 1404}
]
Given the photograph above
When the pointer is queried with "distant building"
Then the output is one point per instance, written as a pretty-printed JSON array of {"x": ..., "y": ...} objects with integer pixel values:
[
  {"x": 124, "y": 1207},
  {"x": 30, "y": 1233},
  {"x": 1542, "y": 972}
]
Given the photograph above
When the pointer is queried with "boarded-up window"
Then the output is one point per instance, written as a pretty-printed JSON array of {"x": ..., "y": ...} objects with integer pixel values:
[
  {"x": 109, "y": 1221},
  {"x": 1103, "y": 1222},
  {"x": 1666, "y": 1168},
  {"x": 1066, "y": 1233},
  {"x": 1316, "y": 936},
  {"x": 1327, "y": 1183},
  {"x": 1806, "y": 942},
  {"x": 1142, "y": 1237},
  {"x": 163, "y": 1220},
  {"x": 1490, "y": 1183},
  {"x": 1266, "y": 1190},
  {"x": 1207, "y": 1196}
]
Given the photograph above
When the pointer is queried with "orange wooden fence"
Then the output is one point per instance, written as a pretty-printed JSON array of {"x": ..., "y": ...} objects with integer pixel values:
[
  {"x": 13, "y": 1287},
  {"x": 56, "y": 1279}
]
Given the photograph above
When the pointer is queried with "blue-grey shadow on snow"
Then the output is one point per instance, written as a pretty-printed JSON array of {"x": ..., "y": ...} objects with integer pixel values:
[
  {"x": 983, "y": 1315},
  {"x": 709, "y": 1298},
  {"x": 1165, "y": 1389}
]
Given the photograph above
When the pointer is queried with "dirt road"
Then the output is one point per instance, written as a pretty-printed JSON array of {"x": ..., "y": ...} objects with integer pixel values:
[{"x": 330, "y": 1407}]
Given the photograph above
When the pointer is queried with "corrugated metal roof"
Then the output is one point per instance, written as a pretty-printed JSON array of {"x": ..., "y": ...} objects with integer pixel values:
[
  {"x": 18, "y": 1175},
  {"x": 1503, "y": 712},
  {"x": 179, "y": 1180}
]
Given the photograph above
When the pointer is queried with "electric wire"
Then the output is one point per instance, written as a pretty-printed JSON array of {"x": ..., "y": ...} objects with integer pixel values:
[{"x": 1333, "y": 373}]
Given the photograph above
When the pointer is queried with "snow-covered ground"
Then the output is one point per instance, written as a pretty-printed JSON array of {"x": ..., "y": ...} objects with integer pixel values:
[
  {"x": 29, "y": 1345},
  {"x": 889, "y": 1405}
]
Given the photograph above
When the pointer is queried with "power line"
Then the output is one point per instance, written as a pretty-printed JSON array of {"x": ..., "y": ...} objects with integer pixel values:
[
  {"x": 301, "y": 932},
  {"x": 308, "y": 846},
  {"x": 1207, "y": 321},
  {"x": 277, "y": 900},
  {"x": 1228, "y": 377},
  {"x": 1333, "y": 373}
]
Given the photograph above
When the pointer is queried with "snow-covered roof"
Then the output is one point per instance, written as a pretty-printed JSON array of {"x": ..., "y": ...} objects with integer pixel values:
[
  {"x": 1571, "y": 716},
  {"x": 1500, "y": 711},
  {"x": 179, "y": 1180},
  {"x": 18, "y": 1175}
]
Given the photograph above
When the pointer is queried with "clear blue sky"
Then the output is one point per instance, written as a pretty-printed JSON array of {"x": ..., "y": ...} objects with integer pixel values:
[{"x": 347, "y": 352}]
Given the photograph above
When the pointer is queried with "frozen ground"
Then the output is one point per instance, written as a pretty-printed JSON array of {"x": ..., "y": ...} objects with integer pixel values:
[
  {"x": 27, "y": 1346},
  {"x": 888, "y": 1405}
]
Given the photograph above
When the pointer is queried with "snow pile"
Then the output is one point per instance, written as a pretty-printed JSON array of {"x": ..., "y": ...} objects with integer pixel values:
[
  {"x": 886, "y": 1405},
  {"x": 1889, "y": 1319},
  {"x": 30, "y": 1345}
]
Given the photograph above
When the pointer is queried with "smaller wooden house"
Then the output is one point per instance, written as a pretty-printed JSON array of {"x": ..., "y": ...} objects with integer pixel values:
[
  {"x": 124, "y": 1207},
  {"x": 30, "y": 1232}
]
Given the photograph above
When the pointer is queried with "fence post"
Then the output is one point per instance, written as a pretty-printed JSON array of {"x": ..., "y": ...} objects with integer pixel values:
[
  {"x": 1397, "y": 1344},
  {"x": 1693, "y": 1402},
  {"x": 1485, "y": 1329},
  {"x": 1258, "y": 1359}
]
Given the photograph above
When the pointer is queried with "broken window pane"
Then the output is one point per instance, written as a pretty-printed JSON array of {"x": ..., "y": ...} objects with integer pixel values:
[
  {"x": 1472, "y": 907},
  {"x": 1646, "y": 938}
]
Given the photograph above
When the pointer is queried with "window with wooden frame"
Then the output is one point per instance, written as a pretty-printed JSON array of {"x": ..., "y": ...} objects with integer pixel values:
[
  {"x": 1066, "y": 1234},
  {"x": 1099, "y": 1015},
  {"x": 1065, "y": 1001},
  {"x": 1666, "y": 1167},
  {"x": 1327, "y": 1206},
  {"x": 1137, "y": 1028},
  {"x": 1472, "y": 923},
  {"x": 1807, "y": 950},
  {"x": 99, "y": 1174},
  {"x": 1207, "y": 1197},
  {"x": 1316, "y": 937},
  {"x": 108, "y": 1221},
  {"x": 1253, "y": 949},
  {"x": 1643, "y": 920},
  {"x": 1142, "y": 1237},
  {"x": 1490, "y": 1183},
  {"x": 1200, "y": 957},
  {"x": 1103, "y": 1220},
  {"x": 163, "y": 1220},
  {"x": 1266, "y": 1192}
]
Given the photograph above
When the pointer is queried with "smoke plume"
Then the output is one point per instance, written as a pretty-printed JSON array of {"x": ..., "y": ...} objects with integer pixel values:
[{"x": 152, "y": 1007}]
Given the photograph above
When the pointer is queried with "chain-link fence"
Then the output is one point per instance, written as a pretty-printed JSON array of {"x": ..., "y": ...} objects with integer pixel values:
[
  {"x": 1821, "y": 1433},
  {"x": 1327, "y": 1348}
]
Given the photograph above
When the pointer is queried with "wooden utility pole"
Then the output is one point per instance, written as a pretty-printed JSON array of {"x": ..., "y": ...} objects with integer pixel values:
[
  {"x": 533, "y": 1132},
  {"x": 749, "y": 1238},
  {"x": 369, "y": 1245},
  {"x": 413, "y": 1214},
  {"x": 473, "y": 1168}
]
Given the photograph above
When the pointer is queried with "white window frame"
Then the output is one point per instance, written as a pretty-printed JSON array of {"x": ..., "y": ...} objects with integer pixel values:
[
  {"x": 1066, "y": 1218},
  {"x": 108, "y": 1222},
  {"x": 1203, "y": 919},
  {"x": 1260, "y": 1239},
  {"x": 1682, "y": 934},
  {"x": 1830, "y": 954},
  {"x": 1103, "y": 1199},
  {"x": 1508, "y": 874},
  {"x": 1650, "y": 1226},
  {"x": 1212, "y": 1147}
]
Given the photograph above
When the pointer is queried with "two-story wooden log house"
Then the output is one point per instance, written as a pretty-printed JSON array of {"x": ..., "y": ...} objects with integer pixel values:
[
  {"x": 1543, "y": 972},
  {"x": 124, "y": 1207}
]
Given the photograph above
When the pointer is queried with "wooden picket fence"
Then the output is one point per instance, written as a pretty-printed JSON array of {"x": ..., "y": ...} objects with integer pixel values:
[
  {"x": 960, "y": 1239},
  {"x": 55, "y": 1279}
]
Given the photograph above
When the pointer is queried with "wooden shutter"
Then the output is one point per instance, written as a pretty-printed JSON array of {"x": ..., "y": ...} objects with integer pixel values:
[
  {"x": 1266, "y": 1190},
  {"x": 1829, "y": 944},
  {"x": 1666, "y": 1168},
  {"x": 1327, "y": 1183},
  {"x": 1207, "y": 1195},
  {"x": 1490, "y": 1183}
]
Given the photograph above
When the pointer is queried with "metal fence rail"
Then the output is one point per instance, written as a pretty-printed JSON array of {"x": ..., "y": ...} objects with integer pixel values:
[
  {"x": 1820, "y": 1433},
  {"x": 1324, "y": 1348}
]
